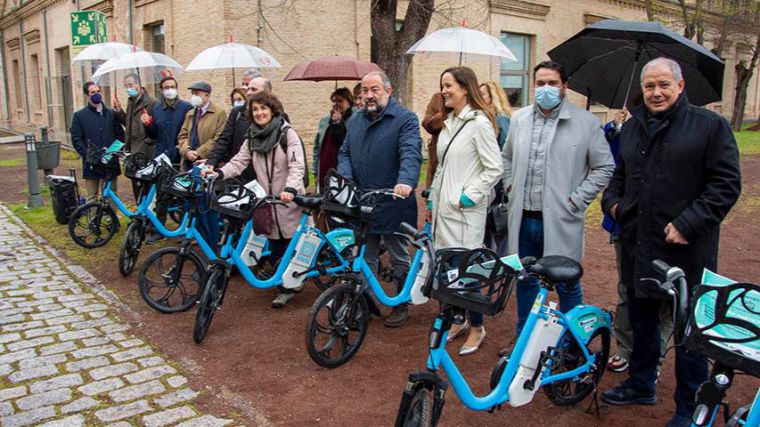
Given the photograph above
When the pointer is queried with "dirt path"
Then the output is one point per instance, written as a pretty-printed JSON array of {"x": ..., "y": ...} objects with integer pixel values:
[{"x": 258, "y": 353}]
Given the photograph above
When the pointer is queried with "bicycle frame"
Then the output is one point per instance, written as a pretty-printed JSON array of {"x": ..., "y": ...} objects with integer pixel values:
[
  {"x": 753, "y": 418},
  {"x": 231, "y": 253},
  {"x": 193, "y": 234},
  {"x": 109, "y": 194},
  {"x": 570, "y": 322},
  {"x": 360, "y": 266},
  {"x": 144, "y": 210}
]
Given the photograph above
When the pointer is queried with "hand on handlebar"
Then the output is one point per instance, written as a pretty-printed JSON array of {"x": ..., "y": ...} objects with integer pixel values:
[
  {"x": 402, "y": 191},
  {"x": 208, "y": 172},
  {"x": 286, "y": 196}
]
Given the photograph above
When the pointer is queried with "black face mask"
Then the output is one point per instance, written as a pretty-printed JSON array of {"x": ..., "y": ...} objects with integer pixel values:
[{"x": 96, "y": 98}]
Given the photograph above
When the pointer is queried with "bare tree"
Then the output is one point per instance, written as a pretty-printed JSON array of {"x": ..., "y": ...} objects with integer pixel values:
[
  {"x": 388, "y": 45},
  {"x": 693, "y": 25},
  {"x": 649, "y": 5},
  {"x": 744, "y": 71}
]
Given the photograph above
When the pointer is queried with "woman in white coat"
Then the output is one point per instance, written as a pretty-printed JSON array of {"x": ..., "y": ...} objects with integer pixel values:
[{"x": 469, "y": 166}]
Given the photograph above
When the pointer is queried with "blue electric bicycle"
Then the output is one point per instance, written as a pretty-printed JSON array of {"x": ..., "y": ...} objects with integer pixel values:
[
  {"x": 339, "y": 317},
  {"x": 721, "y": 323},
  {"x": 171, "y": 279},
  {"x": 564, "y": 354},
  {"x": 309, "y": 255},
  {"x": 150, "y": 173}
]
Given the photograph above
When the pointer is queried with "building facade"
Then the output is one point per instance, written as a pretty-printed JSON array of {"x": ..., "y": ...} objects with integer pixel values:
[{"x": 41, "y": 87}]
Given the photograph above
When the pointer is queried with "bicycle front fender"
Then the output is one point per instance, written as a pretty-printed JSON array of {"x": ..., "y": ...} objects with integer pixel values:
[{"x": 584, "y": 320}]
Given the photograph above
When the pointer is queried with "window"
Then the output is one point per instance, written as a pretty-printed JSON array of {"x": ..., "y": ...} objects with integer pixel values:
[
  {"x": 515, "y": 76},
  {"x": 34, "y": 81},
  {"x": 17, "y": 85},
  {"x": 155, "y": 37}
]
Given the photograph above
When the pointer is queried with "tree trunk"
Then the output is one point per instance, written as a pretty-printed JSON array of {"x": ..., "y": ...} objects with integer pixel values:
[
  {"x": 388, "y": 46},
  {"x": 688, "y": 28},
  {"x": 743, "y": 76}
]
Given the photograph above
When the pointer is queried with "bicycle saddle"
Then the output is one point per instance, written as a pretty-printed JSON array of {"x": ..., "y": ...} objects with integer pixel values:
[
  {"x": 557, "y": 269},
  {"x": 309, "y": 202}
]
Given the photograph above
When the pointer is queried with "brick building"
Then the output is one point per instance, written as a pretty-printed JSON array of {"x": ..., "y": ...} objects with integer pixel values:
[{"x": 41, "y": 87}]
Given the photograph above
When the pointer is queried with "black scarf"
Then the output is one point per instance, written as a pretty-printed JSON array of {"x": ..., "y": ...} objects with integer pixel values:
[{"x": 262, "y": 140}]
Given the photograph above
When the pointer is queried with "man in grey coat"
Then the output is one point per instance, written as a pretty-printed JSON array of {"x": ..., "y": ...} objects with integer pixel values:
[{"x": 556, "y": 161}]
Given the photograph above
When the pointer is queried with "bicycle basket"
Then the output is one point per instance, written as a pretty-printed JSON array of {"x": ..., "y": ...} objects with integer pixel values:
[
  {"x": 234, "y": 200},
  {"x": 340, "y": 196},
  {"x": 724, "y": 325},
  {"x": 475, "y": 280},
  {"x": 134, "y": 164},
  {"x": 183, "y": 186}
]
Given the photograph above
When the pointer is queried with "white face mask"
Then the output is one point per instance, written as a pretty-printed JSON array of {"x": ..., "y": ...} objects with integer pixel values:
[
  {"x": 170, "y": 93},
  {"x": 238, "y": 104},
  {"x": 196, "y": 101}
]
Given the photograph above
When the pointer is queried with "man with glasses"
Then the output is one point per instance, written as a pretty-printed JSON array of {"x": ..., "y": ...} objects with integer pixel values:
[
  {"x": 383, "y": 149},
  {"x": 556, "y": 161},
  {"x": 137, "y": 139}
]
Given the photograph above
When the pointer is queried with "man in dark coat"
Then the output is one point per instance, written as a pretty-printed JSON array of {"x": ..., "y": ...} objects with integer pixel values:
[
  {"x": 383, "y": 149},
  {"x": 677, "y": 178},
  {"x": 137, "y": 139},
  {"x": 163, "y": 124},
  {"x": 96, "y": 127}
]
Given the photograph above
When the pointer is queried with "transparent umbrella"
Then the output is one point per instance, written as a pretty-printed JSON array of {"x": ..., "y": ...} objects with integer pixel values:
[
  {"x": 151, "y": 67},
  {"x": 461, "y": 40},
  {"x": 104, "y": 51},
  {"x": 232, "y": 55}
]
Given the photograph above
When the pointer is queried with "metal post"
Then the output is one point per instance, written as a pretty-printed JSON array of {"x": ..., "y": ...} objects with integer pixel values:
[
  {"x": 46, "y": 141},
  {"x": 31, "y": 172}
]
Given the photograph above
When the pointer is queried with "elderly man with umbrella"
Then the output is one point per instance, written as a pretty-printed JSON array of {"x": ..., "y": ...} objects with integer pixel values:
[{"x": 677, "y": 179}]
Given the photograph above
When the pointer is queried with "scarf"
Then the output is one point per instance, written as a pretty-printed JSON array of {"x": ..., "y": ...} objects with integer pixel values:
[{"x": 262, "y": 140}]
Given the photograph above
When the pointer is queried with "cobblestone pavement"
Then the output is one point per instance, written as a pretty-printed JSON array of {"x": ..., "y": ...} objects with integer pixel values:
[{"x": 66, "y": 359}]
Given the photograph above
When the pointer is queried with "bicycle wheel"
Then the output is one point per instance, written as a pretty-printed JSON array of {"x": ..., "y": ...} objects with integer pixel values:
[
  {"x": 211, "y": 299},
  {"x": 337, "y": 325},
  {"x": 171, "y": 281},
  {"x": 92, "y": 225},
  {"x": 420, "y": 413},
  {"x": 569, "y": 392},
  {"x": 130, "y": 247}
]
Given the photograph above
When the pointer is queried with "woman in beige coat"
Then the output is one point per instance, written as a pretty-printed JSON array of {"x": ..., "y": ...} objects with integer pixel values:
[
  {"x": 469, "y": 164},
  {"x": 279, "y": 171}
]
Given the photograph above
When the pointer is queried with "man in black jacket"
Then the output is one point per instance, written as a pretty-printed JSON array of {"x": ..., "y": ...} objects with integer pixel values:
[{"x": 677, "y": 178}]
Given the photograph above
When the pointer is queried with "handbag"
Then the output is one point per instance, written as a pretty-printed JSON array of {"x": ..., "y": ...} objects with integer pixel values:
[
  {"x": 263, "y": 217},
  {"x": 497, "y": 219}
]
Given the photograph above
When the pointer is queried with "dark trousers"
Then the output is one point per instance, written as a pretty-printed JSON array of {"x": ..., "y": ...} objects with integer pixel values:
[
  {"x": 691, "y": 367},
  {"x": 278, "y": 247},
  {"x": 137, "y": 188}
]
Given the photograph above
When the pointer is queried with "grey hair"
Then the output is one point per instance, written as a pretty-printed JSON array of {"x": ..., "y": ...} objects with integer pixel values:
[
  {"x": 252, "y": 73},
  {"x": 673, "y": 65},
  {"x": 386, "y": 80},
  {"x": 135, "y": 77}
]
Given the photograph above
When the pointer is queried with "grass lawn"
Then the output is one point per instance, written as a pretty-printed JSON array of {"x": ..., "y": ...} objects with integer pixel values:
[{"x": 748, "y": 141}]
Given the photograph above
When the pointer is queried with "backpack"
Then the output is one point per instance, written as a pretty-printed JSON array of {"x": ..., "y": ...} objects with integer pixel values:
[{"x": 284, "y": 146}]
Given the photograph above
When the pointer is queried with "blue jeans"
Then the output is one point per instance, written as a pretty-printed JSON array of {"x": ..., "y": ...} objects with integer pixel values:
[{"x": 531, "y": 243}]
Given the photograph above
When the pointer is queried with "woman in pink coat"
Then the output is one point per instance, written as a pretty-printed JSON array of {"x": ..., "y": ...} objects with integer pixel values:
[{"x": 274, "y": 149}]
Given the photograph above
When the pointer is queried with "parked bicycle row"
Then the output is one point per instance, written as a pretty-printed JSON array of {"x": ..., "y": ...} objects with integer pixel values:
[{"x": 562, "y": 353}]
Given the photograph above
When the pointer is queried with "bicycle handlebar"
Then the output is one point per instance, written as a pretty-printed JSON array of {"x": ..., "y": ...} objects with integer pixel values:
[{"x": 675, "y": 285}]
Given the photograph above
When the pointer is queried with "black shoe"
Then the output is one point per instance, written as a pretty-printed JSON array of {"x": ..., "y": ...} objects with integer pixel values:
[
  {"x": 679, "y": 421},
  {"x": 398, "y": 316},
  {"x": 153, "y": 238},
  {"x": 626, "y": 395}
]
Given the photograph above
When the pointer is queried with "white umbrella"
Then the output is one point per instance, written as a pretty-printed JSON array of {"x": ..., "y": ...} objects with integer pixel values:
[
  {"x": 462, "y": 40},
  {"x": 232, "y": 55},
  {"x": 104, "y": 51},
  {"x": 150, "y": 66}
]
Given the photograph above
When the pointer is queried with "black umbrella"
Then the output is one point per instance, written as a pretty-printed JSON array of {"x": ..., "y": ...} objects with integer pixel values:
[{"x": 603, "y": 60}]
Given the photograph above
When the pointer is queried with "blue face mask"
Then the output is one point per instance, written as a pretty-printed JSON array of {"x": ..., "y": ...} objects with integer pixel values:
[
  {"x": 96, "y": 98},
  {"x": 547, "y": 97},
  {"x": 132, "y": 92}
]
